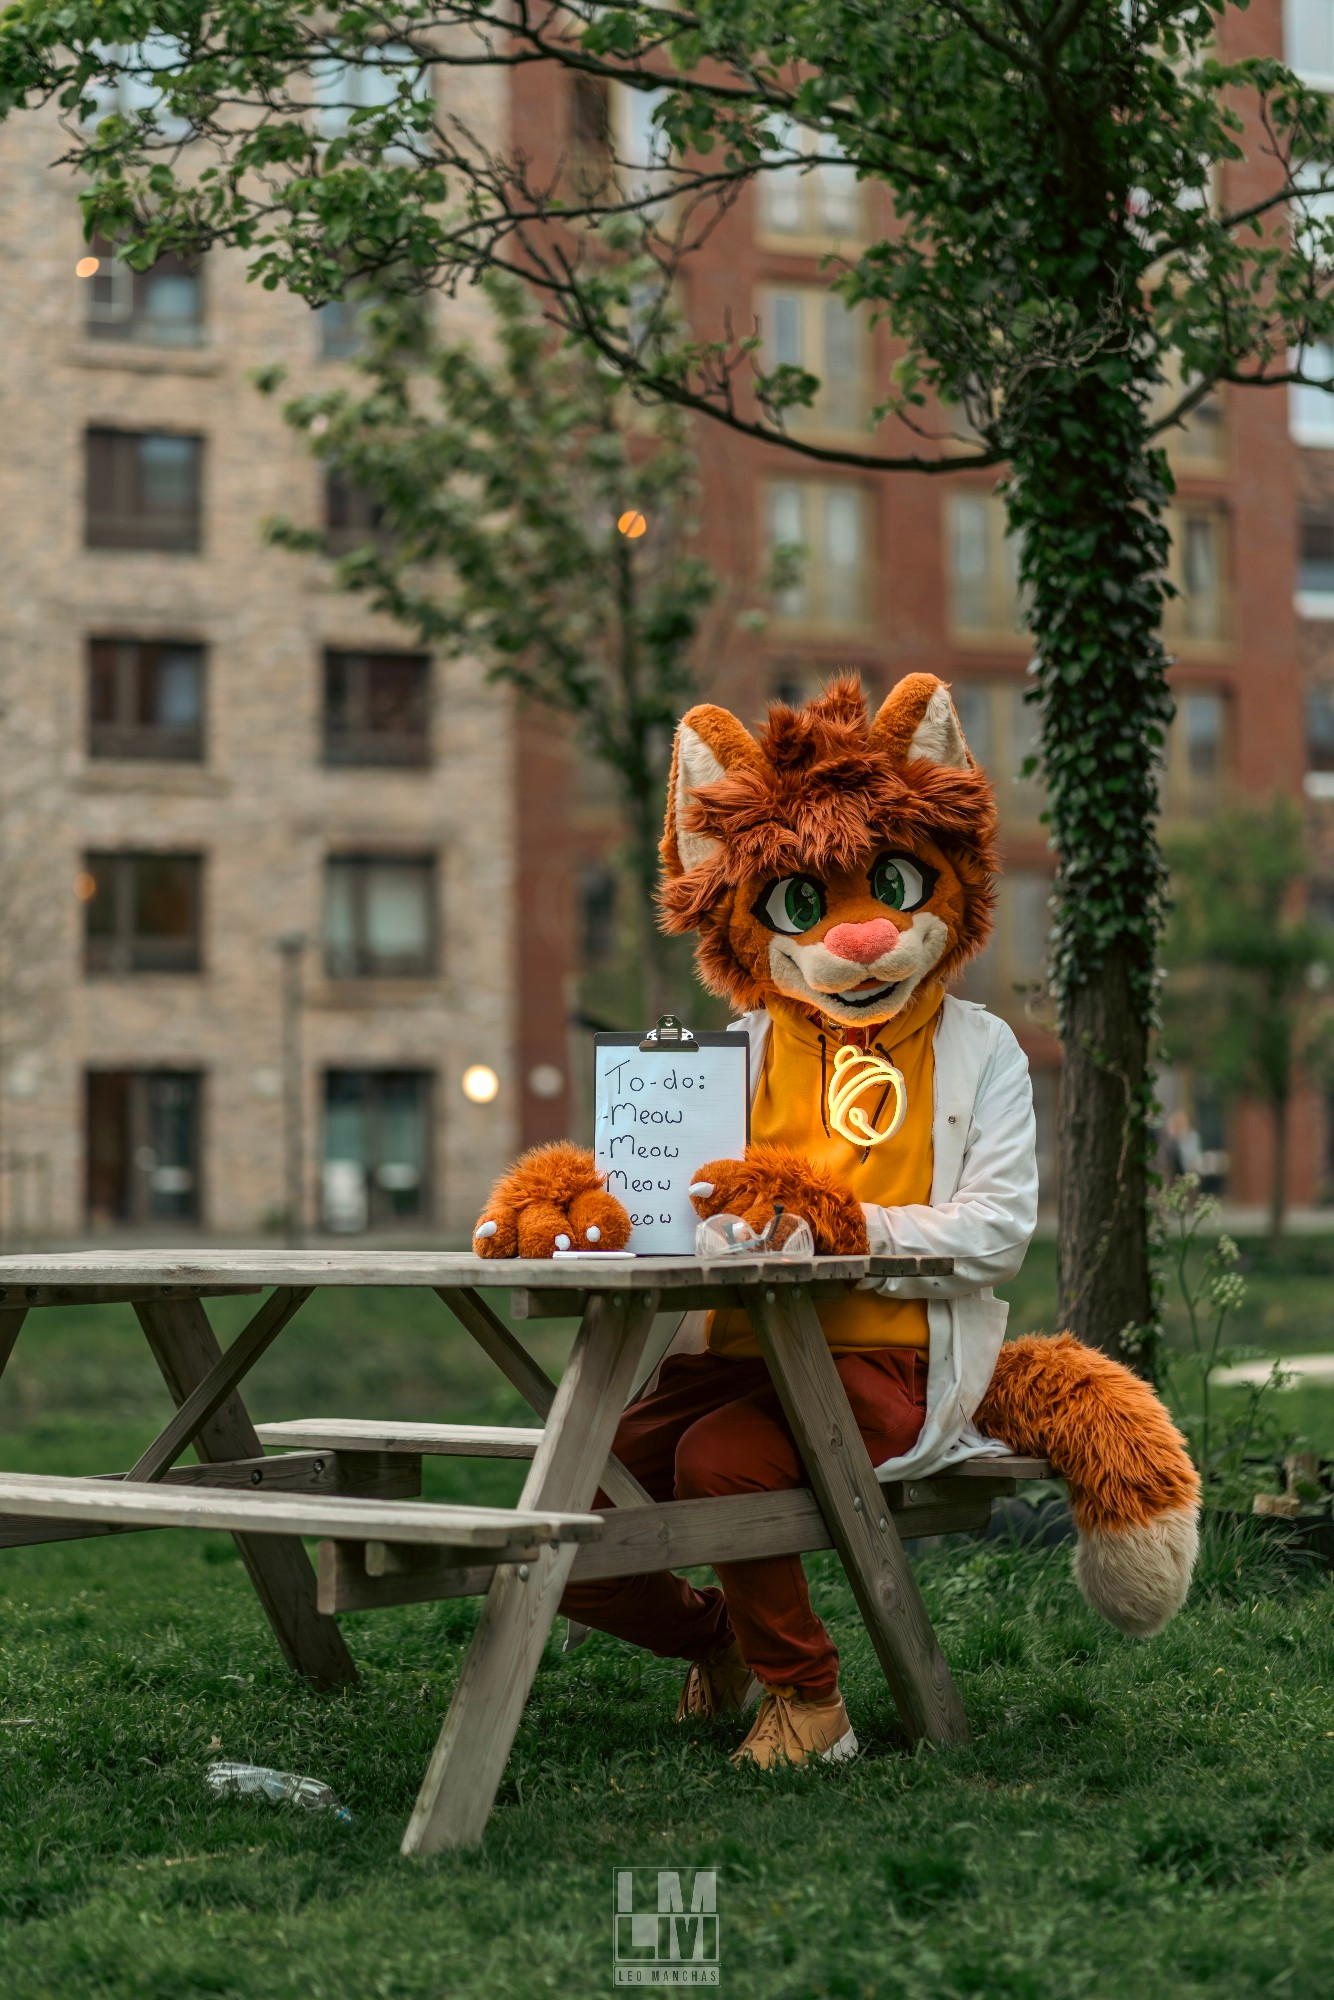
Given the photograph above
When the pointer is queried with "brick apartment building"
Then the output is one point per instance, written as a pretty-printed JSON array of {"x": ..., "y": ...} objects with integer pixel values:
[
  {"x": 908, "y": 574},
  {"x": 207, "y": 748}
]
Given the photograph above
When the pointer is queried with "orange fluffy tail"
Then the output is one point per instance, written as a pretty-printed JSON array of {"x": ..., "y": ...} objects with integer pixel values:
[{"x": 1133, "y": 1490}]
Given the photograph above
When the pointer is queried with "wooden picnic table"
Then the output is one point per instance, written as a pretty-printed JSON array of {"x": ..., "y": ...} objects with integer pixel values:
[{"x": 354, "y": 1483}]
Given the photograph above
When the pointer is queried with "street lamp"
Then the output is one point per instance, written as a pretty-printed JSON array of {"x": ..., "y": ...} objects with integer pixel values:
[{"x": 292, "y": 947}]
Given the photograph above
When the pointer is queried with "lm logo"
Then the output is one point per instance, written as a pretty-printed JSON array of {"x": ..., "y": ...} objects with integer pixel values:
[{"x": 666, "y": 1927}]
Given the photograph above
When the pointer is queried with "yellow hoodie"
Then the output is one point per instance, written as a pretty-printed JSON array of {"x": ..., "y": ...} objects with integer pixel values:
[{"x": 789, "y": 1110}]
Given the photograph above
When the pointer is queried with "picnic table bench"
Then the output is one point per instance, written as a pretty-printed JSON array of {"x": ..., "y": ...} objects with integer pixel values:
[{"x": 354, "y": 1484}]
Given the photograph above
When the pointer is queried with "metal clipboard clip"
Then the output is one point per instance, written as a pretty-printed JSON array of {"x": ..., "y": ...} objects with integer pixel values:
[{"x": 669, "y": 1034}]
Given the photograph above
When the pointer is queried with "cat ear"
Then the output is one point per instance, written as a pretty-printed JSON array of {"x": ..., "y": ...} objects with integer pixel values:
[
  {"x": 709, "y": 744},
  {"x": 917, "y": 719}
]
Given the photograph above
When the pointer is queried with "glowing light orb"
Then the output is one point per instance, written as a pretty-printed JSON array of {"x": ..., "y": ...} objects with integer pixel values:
[
  {"x": 85, "y": 888},
  {"x": 632, "y": 524},
  {"x": 87, "y": 267},
  {"x": 480, "y": 1083}
]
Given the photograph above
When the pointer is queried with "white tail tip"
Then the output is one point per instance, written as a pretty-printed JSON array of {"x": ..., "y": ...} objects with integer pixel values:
[{"x": 1137, "y": 1578}]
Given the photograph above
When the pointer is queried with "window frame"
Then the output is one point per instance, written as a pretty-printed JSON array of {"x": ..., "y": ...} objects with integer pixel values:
[
  {"x": 125, "y": 952},
  {"x": 1317, "y": 79},
  {"x": 812, "y": 237},
  {"x": 815, "y": 616},
  {"x": 1006, "y": 618},
  {"x": 381, "y": 1215},
  {"x": 126, "y": 737},
  {"x": 358, "y": 863},
  {"x": 360, "y": 744},
  {"x": 130, "y": 529},
  {"x": 134, "y": 326},
  {"x": 1177, "y": 630},
  {"x": 813, "y": 304},
  {"x": 139, "y": 1211}
]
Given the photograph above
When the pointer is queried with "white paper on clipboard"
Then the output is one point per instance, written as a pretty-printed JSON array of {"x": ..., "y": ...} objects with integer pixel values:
[{"x": 661, "y": 1113}]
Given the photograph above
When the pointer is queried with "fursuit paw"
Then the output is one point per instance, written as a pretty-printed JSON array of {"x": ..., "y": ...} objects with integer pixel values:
[
  {"x": 768, "y": 1175},
  {"x": 551, "y": 1199}
]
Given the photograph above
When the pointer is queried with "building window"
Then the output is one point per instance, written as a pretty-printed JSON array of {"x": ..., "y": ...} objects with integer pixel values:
[
  {"x": 145, "y": 699},
  {"x": 1315, "y": 563},
  {"x": 142, "y": 1146},
  {"x": 1320, "y": 729},
  {"x": 141, "y": 84},
  {"x": 1003, "y": 729},
  {"x": 1308, "y": 39},
  {"x": 348, "y": 94},
  {"x": 376, "y": 708},
  {"x": 142, "y": 912},
  {"x": 1196, "y": 761},
  {"x": 830, "y": 525},
  {"x": 379, "y": 917},
  {"x": 1016, "y": 953},
  {"x": 1311, "y": 407},
  {"x": 160, "y": 307},
  {"x": 1197, "y": 569},
  {"x": 808, "y": 327},
  {"x": 597, "y": 911},
  {"x": 821, "y": 204},
  {"x": 985, "y": 598},
  {"x": 142, "y": 490},
  {"x": 342, "y": 328},
  {"x": 1199, "y": 439},
  {"x": 376, "y": 1167},
  {"x": 353, "y": 518}
]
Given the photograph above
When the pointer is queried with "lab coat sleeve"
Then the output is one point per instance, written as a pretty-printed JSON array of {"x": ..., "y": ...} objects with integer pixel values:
[{"x": 987, "y": 1225}]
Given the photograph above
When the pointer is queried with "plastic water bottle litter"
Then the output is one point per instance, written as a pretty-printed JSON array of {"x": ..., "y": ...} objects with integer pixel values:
[{"x": 258, "y": 1781}]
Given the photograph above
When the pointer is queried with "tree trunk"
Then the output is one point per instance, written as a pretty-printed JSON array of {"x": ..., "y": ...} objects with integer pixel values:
[
  {"x": 1104, "y": 1277},
  {"x": 1278, "y": 1191},
  {"x": 1089, "y": 497}
]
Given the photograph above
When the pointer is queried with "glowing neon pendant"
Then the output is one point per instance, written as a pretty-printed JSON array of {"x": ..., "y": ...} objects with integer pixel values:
[{"x": 855, "y": 1072}]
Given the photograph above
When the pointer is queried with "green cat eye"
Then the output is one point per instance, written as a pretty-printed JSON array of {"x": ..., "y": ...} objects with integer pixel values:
[
  {"x": 898, "y": 882},
  {"x": 794, "y": 905}
]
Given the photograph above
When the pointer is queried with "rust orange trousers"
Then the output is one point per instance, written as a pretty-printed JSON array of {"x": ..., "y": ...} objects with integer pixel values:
[{"x": 714, "y": 1426}]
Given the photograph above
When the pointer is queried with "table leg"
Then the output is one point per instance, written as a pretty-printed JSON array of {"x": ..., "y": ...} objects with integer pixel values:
[
  {"x": 186, "y": 1350},
  {"x": 464, "y": 1775},
  {"x": 533, "y": 1383},
  {"x": 860, "y": 1525},
  {"x": 10, "y": 1322}
]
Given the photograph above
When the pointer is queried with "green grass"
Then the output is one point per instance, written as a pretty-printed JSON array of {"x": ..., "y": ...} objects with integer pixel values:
[{"x": 1149, "y": 1821}]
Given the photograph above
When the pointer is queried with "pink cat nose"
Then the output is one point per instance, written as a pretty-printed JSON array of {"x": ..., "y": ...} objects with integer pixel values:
[{"x": 862, "y": 943}]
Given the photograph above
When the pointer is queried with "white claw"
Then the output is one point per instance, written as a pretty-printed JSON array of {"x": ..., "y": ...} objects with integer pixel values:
[
  {"x": 703, "y": 1189},
  {"x": 594, "y": 1235},
  {"x": 486, "y": 1229},
  {"x": 562, "y": 1241}
]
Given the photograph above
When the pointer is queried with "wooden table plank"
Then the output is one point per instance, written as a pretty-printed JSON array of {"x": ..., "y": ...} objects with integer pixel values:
[
  {"x": 342, "y": 1516},
  {"x": 379, "y": 1475},
  {"x": 423, "y": 1440},
  {"x": 676, "y": 1534},
  {"x": 460, "y": 1785},
  {"x": 816, "y": 1406},
  {"x": 114, "y": 1270}
]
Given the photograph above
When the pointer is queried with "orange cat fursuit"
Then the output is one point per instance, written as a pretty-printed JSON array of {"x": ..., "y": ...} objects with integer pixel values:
[{"x": 838, "y": 870}]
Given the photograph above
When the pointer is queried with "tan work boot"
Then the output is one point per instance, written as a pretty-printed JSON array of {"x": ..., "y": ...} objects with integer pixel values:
[
  {"x": 719, "y": 1685},
  {"x": 789, "y": 1730}
]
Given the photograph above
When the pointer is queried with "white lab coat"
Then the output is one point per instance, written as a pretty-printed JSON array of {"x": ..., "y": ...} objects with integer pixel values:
[{"x": 982, "y": 1213}]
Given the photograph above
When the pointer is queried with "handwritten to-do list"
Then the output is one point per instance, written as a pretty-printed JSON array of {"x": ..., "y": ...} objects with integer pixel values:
[{"x": 660, "y": 1115}]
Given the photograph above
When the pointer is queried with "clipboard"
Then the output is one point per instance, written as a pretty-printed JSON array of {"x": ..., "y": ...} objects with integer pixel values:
[{"x": 665, "y": 1103}]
